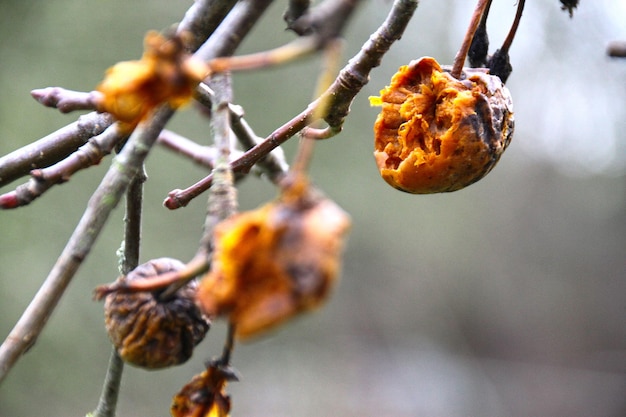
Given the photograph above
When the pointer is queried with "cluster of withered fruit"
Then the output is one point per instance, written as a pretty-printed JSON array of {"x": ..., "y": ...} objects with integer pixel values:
[
  {"x": 440, "y": 130},
  {"x": 268, "y": 265}
]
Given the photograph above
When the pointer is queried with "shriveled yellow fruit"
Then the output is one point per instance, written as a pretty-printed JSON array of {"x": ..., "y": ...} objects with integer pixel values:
[
  {"x": 164, "y": 74},
  {"x": 274, "y": 262}
]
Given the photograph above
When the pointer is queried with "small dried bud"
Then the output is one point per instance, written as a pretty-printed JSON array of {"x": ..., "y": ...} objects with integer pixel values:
[
  {"x": 438, "y": 134},
  {"x": 149, "y": 332},
  {"x": 274, "y": 262}
]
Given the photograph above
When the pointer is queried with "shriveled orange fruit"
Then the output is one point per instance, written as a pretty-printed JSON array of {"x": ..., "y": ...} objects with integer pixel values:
[
  {"x": 164, "y": 74},
  {"x": 436, "y": 133},
  {"x": 275, "y": 262}
]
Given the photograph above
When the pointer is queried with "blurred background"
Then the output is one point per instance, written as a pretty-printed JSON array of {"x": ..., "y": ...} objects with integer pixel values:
[{"x": 507, "y": 298}]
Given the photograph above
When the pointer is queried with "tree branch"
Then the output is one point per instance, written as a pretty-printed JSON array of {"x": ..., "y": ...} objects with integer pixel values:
[
  {"x": 87, "y": 155},
  {"x": 129, "y": 259},
  {"x": 222, "y": 200},
  {"x": 340, "y": 95},
  {"x": 52, "y": 148},
  {"x": 124, "y": 168},
  {"x": 200, "y": 21}
]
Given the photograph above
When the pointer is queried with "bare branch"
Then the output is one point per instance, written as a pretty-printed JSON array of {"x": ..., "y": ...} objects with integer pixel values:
[
  {"x": 340, "y": 95},
  {"x": 129, "y": 261},
  {"x": 226, "y": 38},
  {"x": 124, "y": 168},
  {"x": 202, "y": 18},
  {"x": 274, "y": 164},
  {"x": 293, "y": 50},
  {"x": 198, "y": 265},
  {"x": 295, "y": 10},
  {"x": 52, "y": 148},
  {"x": 201, "y": 155},
  {"x": 223, "y": 196},
  {"x": 326, "y": 20},
  {"x": 42, "y": 179}
]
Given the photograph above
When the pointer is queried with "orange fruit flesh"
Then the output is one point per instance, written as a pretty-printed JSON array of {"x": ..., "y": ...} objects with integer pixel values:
[{"x": 434, "y": 132}]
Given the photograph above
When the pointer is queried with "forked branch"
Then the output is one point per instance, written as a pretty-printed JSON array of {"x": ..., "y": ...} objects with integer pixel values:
[{"x": 339, "y": 96}]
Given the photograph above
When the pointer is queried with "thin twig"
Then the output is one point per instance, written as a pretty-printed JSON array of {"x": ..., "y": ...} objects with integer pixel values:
[
  {"x": 229, "y": 346},
  {"x": 197, "y": 266},
  {"x": 128, "y": 261},
  {"x": 274, "y": 165},
  {"x": 291, "y": 51},
  {"x": 295, "y": 10},
  {"x": 52, "y": 148},
  {"x": 201, "y": 20},
  {"x": 202, "y": 155},
  {"x": 42, "y": 180},
  {"x": 110, "y": 389}
]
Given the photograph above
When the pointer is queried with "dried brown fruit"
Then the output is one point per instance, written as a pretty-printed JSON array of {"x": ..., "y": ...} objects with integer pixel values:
[
  {"x": 165, "y": 74},
  {"x": 274, "y": 262},
  {"x": 149, "y": 332},
  {"x": 436, "y": 133},
  {"x": 205, "y": 395}
]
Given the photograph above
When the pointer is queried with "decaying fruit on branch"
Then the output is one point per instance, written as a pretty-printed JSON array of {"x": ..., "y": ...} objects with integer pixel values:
[
  {"x": 274, "y": 262},
  {"x": 436, "y": 133},
  {"x": 165, "y": 74},
  {"x": 149, "y": 332},
  {"x": 205, "y": 395}
]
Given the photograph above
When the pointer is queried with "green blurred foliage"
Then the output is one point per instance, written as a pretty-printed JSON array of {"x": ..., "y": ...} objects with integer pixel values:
[{"x": 506, "y": 298}]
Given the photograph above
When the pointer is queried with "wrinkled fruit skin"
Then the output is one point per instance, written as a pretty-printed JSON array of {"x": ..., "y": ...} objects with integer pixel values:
[
  {"x": 151, "y": 333},
  {"x": 439, "y": 134},
  {"x": 273, "y": 263}
]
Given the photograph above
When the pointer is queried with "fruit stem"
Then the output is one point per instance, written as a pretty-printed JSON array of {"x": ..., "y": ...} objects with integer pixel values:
[
  {"x": 511, "y": 35},
  {"x": 459, "y": 59},
  {"x": 229, "y": 345}
]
